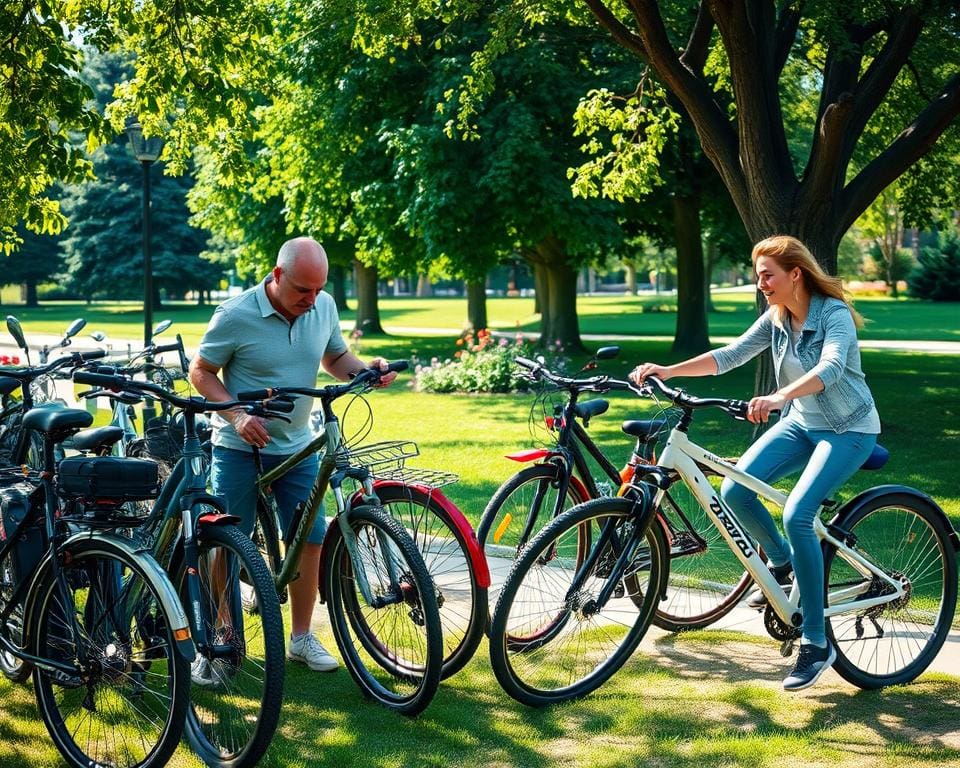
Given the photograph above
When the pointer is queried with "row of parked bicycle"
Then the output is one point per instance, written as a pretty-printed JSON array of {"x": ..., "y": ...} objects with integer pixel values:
[{"x": 120, "y": 571}]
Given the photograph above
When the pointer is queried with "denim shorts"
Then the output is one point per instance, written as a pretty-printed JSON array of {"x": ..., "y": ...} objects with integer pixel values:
[{"x": 232, "y": 474}]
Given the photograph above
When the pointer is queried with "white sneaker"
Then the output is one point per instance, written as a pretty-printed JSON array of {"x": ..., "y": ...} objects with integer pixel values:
[
  {"x": 308, "y": 650},
  {"x": 205, "y": 674}
]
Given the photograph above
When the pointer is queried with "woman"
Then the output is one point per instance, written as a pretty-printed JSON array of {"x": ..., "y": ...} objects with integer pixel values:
[{"x": 827, "y": 428}]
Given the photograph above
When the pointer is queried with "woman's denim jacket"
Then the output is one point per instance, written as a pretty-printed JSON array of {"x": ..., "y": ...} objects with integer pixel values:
[{"x": 828, "y": 347}]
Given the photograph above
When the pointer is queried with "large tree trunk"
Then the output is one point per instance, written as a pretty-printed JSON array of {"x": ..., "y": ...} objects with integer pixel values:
[
  {"x": 31, "y": 292},
  {"x": 691, "y": 337},
  {"x": 424, "y": 287},
  {"x": 631, "y": 276},
  {"x": 368, "y": 307},
  {"x": 560, "y": 325},
  {"x": 338, "y": 286},
  {"x": 476, "y": 304}
]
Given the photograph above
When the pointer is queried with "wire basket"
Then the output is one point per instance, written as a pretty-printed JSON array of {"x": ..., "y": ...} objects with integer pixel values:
[
  {"x": 388, "y": 461},
  {"x": 390, "y": 454}
]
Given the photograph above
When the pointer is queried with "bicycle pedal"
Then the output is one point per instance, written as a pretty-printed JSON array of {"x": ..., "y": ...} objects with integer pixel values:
[{"x": 786, "y": 648}]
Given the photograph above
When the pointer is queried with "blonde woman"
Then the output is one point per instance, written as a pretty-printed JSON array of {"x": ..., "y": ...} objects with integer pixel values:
[{"x": 828, "y": 425}]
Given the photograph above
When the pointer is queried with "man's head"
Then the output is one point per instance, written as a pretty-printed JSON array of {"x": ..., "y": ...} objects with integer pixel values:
[{"x": 299, "y": 276}]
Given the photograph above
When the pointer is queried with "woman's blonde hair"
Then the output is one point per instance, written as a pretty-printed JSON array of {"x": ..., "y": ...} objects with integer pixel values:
[{"x": 790, "y": 253}]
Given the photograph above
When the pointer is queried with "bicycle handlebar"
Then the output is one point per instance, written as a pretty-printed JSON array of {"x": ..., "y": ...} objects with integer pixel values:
[
  {"x": 593, "y": 384},
  {"x": 733, "y": 407},
  {"x": 74, "y": 359},
  {"x": 191, "y": 404},
  {"x": 329, "y": 392}
]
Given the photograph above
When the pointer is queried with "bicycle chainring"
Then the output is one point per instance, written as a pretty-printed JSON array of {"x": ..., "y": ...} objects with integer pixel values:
[{"x": 777, "y": 629}]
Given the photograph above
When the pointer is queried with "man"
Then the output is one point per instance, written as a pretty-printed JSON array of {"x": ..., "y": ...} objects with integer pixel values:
[{"x": 278, "y": 333}]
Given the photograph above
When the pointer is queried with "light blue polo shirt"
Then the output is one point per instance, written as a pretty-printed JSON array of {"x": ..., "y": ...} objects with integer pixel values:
[{"x": 255, "y": 347}]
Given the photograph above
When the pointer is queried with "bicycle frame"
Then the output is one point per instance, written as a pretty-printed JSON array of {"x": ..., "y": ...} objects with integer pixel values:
[
  {"x": 682, "y": 456},
  {"x": 329, "y": 475}
]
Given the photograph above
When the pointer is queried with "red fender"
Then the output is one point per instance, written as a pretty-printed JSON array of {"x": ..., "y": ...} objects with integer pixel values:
[
  {"x": 532, "y": 454},
  {"x": 217, "y": 518},
  {"x": 457, "y": 517}
]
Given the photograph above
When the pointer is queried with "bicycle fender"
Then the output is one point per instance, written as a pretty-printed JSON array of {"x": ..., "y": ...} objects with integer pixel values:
[
  {"x": 871, "y": 494},
  {"x": 477, "y": 557},
  {"x": 532, "y": 454},
  {"x": 167, "y": 594}
]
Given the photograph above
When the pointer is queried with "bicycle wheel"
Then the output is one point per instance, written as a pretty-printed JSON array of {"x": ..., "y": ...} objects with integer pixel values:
[
  {"x": 444, "y": 548},
  {"x": 13, "y": 668},
  {"x": 266, "y": 538},
  {"x": 522, "y": 506},
  {"x": 125, "y": 705},
  {"x": 890, "y": 644},
  {"x": 550, "y": 639},
  {"x": 393, "y": 648},
  {"x": 706, "y": 578},
  {"x": 237, "y": 687}
]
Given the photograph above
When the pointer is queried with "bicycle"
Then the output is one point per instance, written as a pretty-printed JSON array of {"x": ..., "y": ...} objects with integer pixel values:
[
  {"x": 103, "y": 631},
  {"x": 17, "y": 446},
  {"x": 890, "y": 558},
  {"x": 362, "y": 597},
  {"x": 239, "y": 666},
  {"x": 706, "y": 580}
]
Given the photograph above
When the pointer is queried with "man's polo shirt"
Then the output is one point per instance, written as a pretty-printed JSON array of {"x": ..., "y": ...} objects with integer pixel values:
[{"x": 255, "y": 347}]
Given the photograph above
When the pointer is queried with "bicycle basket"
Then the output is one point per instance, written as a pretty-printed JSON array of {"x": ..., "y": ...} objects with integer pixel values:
[
  {"x": 388, "y": 461},
  {"x": 164, "y": 439}
]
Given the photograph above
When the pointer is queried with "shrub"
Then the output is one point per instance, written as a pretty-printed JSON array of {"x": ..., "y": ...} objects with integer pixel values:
[
  {"x": 481, "y": 363},
  {"x": 938, "y": 275}
]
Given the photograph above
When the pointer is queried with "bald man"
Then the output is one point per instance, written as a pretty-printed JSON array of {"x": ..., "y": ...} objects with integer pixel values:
[{"x": 279, "y": 333}]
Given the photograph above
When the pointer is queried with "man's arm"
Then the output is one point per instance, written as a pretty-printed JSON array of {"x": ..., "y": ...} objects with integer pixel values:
[
  {"x": 345, "y": 365},
  {"x": 205, "y": 379}
]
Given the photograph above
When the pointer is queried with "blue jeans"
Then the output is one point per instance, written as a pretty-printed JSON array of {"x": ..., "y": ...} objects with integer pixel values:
[
  {"x": 232, "y": 474},
  {"x": 825, "y": 460}
]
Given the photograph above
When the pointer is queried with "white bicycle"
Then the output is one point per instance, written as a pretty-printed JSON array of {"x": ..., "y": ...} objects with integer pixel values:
[{"x": 890, "y": 573}]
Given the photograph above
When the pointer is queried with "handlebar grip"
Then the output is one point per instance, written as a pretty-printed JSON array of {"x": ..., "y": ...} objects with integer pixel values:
[
  {"x": 255, "y": 394},
  {"x": 99, "y": 380},
  {"x": 95, "y": 354},
  {"x": 280, "y": 406},
  {"x": 184, "y": 360},
  {"x": 525, "y": 362},
  {"x": 166, "y": 348},
  {"x": 398, "y": 365}
]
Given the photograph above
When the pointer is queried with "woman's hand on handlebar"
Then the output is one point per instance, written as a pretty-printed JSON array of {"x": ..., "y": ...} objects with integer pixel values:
[
  {"x": 638, "y": 374},
  {"x": 760, "y": 408}
]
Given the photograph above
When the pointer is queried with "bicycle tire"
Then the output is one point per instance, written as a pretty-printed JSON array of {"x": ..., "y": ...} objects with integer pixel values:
[
  {"x": 905, "y": 536},
  {"x": 504, "y": 518},
  {"x": 231, "y": 722},
  {"x": 394, "y": 653},
  {"x": 14, "y": 669},
  {"x": 130, "y": 712},
  {"x": 706, "y": 578},
  {"x": 573, "y": 647},
  {"x": 446, "y": 553}
]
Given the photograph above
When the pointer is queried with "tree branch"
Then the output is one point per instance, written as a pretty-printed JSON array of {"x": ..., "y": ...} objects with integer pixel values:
[
  {"x": 620, "y": 32},
  {"x": 786, "y": 34},
  {"x": 912, "y": 144},
  {"x": 698, "y": 46}
]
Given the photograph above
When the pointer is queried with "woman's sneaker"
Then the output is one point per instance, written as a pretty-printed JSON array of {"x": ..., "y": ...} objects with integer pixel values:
[
  {"x": 784, "y": 576},
  {"x": 812, "y": 662},
  {"x": 307, "y": 649}
]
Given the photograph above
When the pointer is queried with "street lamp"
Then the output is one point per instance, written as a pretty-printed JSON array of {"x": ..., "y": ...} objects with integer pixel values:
[{"x": 146, "y": 151}]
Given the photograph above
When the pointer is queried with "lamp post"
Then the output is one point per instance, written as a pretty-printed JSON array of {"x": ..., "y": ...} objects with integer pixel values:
[{"x": 146, "y": 150}]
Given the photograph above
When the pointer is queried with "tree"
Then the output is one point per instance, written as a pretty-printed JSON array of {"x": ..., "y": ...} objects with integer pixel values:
[{"x": 937, "y": 276}]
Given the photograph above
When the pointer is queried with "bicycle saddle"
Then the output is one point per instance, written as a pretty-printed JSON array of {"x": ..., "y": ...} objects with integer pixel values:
[
  {"x": 49, "y": 420},
  {"x": 645, "y": 430},
  {"x": 91, "y": 439}
]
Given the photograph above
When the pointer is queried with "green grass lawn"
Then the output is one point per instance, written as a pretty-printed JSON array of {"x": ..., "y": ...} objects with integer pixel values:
[{"x": 701, "y": 699}]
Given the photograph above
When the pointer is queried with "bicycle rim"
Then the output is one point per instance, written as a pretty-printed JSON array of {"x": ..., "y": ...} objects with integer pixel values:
[
  {"x": 237, "y": 689},
  {"x": 130, "y": 710},
  {"x": 393, "y": 652},
  {"x": 443, "y": 546},
  {"x": 894, "y": 642},
  {"x": 550, "y": 641},
  {"x": 531, "y": 493}
]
